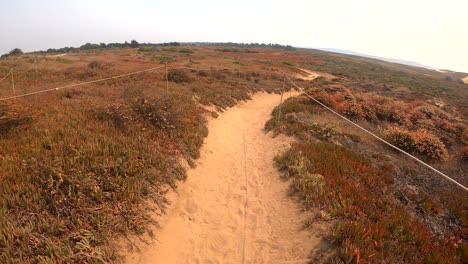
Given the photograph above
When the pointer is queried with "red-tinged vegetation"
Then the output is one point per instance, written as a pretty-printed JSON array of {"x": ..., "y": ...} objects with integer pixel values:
[
  {"x": 422, "y": 142},
  {"x": 371, "y": 226},
  {"x": 433, "y": 129},
  {"x": 463, "y": 154}
]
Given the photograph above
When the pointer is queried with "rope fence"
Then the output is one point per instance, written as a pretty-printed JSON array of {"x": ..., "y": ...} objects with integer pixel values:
[
  {"x": 78, "y": 84},
  {"x": 5, "y": 76},
  {"x": 182, "y": 67},
  {"x": 34, "y": 64}
]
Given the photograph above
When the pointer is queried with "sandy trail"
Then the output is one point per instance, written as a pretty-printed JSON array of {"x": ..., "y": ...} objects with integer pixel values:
[{"x": 233, "y": 207}]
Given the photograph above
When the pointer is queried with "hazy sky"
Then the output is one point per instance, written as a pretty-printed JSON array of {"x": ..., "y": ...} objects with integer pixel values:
[{"x": 433, "y": 33}]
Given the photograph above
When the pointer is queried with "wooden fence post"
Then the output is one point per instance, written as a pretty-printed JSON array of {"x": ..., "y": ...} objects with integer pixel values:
[
  {"x": 167, "y": 80},
  {"x": 281, "y": 100},
  {"x": 12, "y": 80}
]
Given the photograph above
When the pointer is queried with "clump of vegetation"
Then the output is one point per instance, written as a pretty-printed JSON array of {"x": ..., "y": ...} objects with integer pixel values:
[
  {"x": 186, "y": 51},
  {"x": 287, "y": 63},
  {"x": 95, "y": 64},
  {"x": 463, "y": 154},
  {"x": 170, "y": 49},
  {"x": 64, "y": 61},
  {"x": 12, "y": 117},
  {"x": 166, "y": 59},
  {"x": 239, "y": 63},
  {"x": 430, "y": 146},
  {"x": 178, "y": 76},
  {"x": 117, "y": 114},
  {"x": 311, "y": 186},
  {"x": 147, "y": 49},
  {"x": 236, "y": 50},
  {"x": 401, "y": 138},
  {"x": 422, "y": 143}
]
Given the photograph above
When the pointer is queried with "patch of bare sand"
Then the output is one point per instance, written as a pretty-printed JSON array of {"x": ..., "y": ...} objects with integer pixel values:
[
  {"x": 57, "y": 55},
  {"x": 233, "y": 207},
  {"x": 465, "y": 80},
  {"x": 307, "y": 75}
]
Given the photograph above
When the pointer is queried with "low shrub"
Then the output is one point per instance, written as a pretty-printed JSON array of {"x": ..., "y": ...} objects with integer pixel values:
[
  {"x": 147, "y": 49},
  {"x": 178, "y": 76},
  {"x": 95, "y": 65},
  {"x": 178, "y": 116},
  {"x": 353, "y": 110},
  {"x": 64, "y": 61},
  {"x": 236, "y": 50},
  {"x": 186, "y": 51},
  {"x": 116, "y": 114},
  {"x": 430, "y": 146},
  {"x": 287, "y": 63},
  {"x": 203, "y": 73},
  {"x": 401, "y": 138},
  {"x": 311, "y": 186},
  {"x": 12, "y": 117},
  {"x": 422, "y": 143},
  {"x": 463, "y": 154}
]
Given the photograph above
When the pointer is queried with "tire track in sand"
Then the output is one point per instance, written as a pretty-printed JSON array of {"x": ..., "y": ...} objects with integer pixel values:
[{"x": 205, "y": 223}]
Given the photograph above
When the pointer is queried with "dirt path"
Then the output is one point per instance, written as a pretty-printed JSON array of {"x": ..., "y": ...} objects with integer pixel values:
[{"x": 234, "y": 207}]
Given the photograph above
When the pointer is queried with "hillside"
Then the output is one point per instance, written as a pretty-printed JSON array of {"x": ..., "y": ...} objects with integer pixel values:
[{"x": 84, "y": 165}]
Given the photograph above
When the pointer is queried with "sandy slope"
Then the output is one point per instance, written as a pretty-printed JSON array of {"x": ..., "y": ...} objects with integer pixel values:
[{"x": 234, "y": 196}]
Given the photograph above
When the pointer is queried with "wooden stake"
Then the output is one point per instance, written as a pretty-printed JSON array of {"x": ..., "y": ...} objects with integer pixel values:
[
  {"x": 281, "y": 100},
  {"x": 12, "y": 81},
  {"x": 167, "y": 81}
]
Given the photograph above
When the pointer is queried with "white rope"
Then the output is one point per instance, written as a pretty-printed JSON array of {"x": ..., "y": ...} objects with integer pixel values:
[
  {"x": 30, "y": 67},
  {"x": 379, "y": 138},
  {"x": 246, "y": 204},
  {"x": 5, "y": 76},
  {"x": 77, "y": 84}
]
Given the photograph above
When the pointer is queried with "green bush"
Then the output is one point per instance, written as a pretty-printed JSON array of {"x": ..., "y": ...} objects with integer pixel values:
[
  {"x": 187, "y": 51},
  {"x": 401, "y": 138}
]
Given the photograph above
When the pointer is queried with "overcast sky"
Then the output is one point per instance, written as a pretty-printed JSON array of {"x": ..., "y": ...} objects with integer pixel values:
[{"x": 430, "y": 32}]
